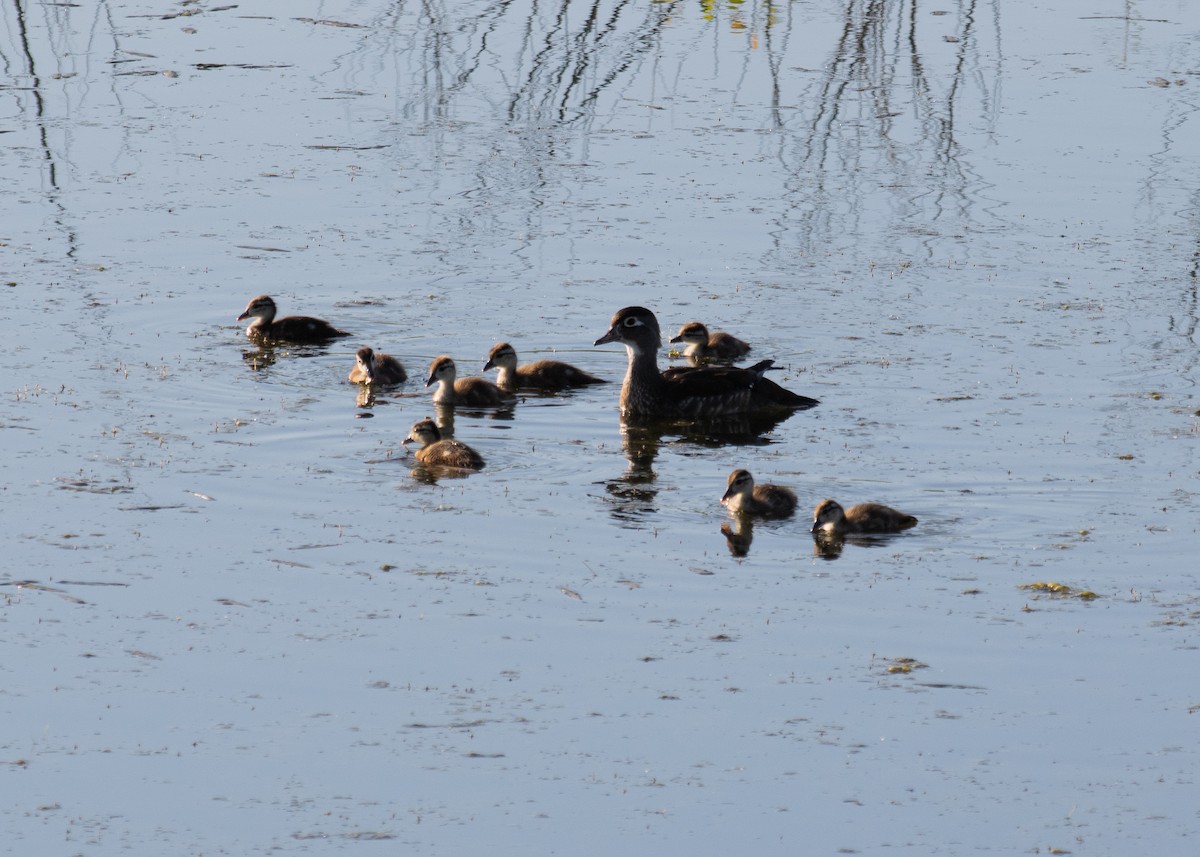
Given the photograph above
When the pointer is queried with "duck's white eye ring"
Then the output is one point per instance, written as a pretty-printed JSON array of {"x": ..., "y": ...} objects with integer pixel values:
[{"x": 632, "y": 322}]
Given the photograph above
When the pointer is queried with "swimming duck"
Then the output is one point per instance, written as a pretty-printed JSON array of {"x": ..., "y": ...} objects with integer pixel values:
[
  {"x": 437, "y": 451},
  {"x": 452, "y": 390},
  {"x": 689, "y": 392},
  {"x": 830, "y": 518},
  {"x": 372, "y": 368},
  {"x": 300, "y": 329},
  {"x": 542, "y": 375},
  {"x": 702, "y": 345},
  {"x": 768, "y": 501}
]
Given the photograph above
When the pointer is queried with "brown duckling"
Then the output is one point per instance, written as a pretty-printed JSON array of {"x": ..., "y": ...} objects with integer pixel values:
[
  {"x": 830, "y": 518},
  {"x": 372, "y": 368},
  {"x": 437, "y": 451},
  {"x": 300, "y": 329},
  {"x": 702, "y": 345},
  {"x": 469, "y": 392},
  {"x": 768, "y": 501},
  {"x": 542, "y": 375},
  {"x": 689, "y": 392}
]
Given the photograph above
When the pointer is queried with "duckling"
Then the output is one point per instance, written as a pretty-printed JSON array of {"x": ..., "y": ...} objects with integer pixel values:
[
  {"x": 830, "y": 518},
  {"x": 372, "y": 368},
  {"x": 689, "y": 392},
  {"x": 702, "y": 345},
  {"x": 437, "y": 451},
  {"x": 477, "y": 392},
  {"x": 542, "y": 375},
  {"x": 768, "y": 501},
  {"x": 300, "y": 329}
]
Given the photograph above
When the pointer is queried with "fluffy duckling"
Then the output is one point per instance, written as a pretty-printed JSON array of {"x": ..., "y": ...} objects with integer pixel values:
[
  {"x": 688, "y": 392},
  {"x": 831, "y": 519},
  {"x": 300, "y": 329},
  {"x": 702, "y": 345},
  {"x": 542, "y": 375},
  {"x": 469, "y": 392},
  {"x": 372, "y": 368},
  {"x": 437, "y": 451},
  {"x": 768, "y": 501}
]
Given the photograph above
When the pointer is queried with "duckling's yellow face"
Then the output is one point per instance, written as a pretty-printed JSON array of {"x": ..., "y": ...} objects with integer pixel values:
[
  {"x": 425, "y": 432},
  {"x": 693, "y": 333},
  {"x": 828, "y": 516},
  {"x": 441, "y": 369},
  {"x": 502, "y": 356},
  {"x": 260, "y": 307},
  {"x": 364, "y": 359},
  {"x": 741, "y": 484}
]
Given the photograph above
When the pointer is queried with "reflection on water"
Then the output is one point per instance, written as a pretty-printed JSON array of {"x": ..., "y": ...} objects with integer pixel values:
[
  {"x": 364, "y": 397},
  {"x": 882, "y": 131},
  {"x": 262, "y": 358},
  {"x": 829, "y": 546},
  {"x": 863, "y": 104},
  {"x": 632, "y": 494},
  {"x": 444, "y": 415},
  {"x": 479, "y": 170},
  {"x": 739, "y": 534}
]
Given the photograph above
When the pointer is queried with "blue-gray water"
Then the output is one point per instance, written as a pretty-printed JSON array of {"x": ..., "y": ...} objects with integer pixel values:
[{"x": 233, "y": 623}]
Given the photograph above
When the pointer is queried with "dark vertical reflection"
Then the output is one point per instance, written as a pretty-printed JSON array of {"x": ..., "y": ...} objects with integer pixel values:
[
  {"x": 1184, "y": 322},
  {"x": 881, "y": 123},
  {"x": 36, "y": 112},
  {"x": 876, "y": 134},
  {"x": 1159, "y": 205},
  {"x": 35, "y": 88},
  {"x": 541, "y": 70}
]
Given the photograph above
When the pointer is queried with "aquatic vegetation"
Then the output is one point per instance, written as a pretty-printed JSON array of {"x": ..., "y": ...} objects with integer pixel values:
[{"x": 1059, "y": 590}]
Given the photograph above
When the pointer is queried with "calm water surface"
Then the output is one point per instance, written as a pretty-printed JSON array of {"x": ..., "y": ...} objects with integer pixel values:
[{"x": 234, "y": 623}]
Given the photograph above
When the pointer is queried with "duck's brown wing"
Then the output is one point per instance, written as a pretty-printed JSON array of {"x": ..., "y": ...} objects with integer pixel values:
[
  {"x": 450, "y": 453},
  {"x": 726, "y": 346},
  {"x": 480, "y": 392},
  {"x": 389, "y": 370},
  {"x": 713, "y": 390},
  {"x": 767, "y": 393},
  {"x": 877, "y": 518},
  {"x": 303, "y": 328},
  {"x": 554, "y": 375}
]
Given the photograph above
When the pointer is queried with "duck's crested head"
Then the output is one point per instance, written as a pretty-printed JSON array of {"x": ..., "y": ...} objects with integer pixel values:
[
  {"x": 260, "y": 307},
  {"x": 828, "y": 515},
  {"x": 441, "y": 369},
  {"x": 502, "y": 356},
  {"x": 424, "y": 432},
  {"x": 740, "y": 482},
  {"x": 692, "y": 332},
  {"x": 636, "y": 328}
]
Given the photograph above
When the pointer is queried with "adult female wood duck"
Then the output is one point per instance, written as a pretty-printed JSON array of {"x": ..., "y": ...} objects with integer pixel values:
[
  {"x": 300, "y": 329},
  {"x": 829, "y": 518},
  {"x": 702, "y": 345},
  {"x": 542, "y": 375},
  {"x": 689, "y": 392},
  {"x": 437, "y": 451},
  {"x": 452, "y": 390},
  {"x": 767, "y": 501},
  {"x": 372, "y": 368}
]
